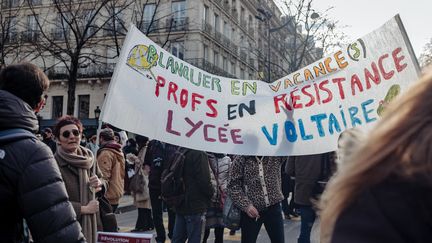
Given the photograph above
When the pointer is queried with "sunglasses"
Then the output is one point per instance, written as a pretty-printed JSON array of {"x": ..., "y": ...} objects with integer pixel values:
[{"x": 67, "y": 133}]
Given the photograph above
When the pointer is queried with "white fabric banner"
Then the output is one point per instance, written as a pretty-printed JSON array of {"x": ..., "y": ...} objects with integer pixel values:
[{"x": 155, "y": 94}]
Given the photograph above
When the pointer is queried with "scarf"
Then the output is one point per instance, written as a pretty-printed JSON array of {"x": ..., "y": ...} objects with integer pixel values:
[{"x": 83, "y": 160}]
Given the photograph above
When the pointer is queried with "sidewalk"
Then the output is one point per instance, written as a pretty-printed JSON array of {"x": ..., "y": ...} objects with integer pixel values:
[{"x": 125, "y": 204}]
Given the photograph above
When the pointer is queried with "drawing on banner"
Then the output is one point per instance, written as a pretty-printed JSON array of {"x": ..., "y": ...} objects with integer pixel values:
[
  {"x": 143, "y": 58},
  {"x": 391, "y": 94}
]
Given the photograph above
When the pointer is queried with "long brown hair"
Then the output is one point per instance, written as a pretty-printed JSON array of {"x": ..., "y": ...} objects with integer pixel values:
[{"x": 399, "y": 145}]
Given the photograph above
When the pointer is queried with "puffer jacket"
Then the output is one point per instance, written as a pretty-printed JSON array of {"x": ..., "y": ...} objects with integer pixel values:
[
  {"x": 255, "y": 181},
  {"x": 31, "y": 186},
  {"x": 112, "y": 164}
]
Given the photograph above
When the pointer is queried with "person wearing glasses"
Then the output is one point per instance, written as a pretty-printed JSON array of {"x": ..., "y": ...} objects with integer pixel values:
[{"x": 76, "y": 166}]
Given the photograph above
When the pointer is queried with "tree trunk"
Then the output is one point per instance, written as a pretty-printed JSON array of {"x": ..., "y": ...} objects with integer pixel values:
[{"x": 73, "y": 75}]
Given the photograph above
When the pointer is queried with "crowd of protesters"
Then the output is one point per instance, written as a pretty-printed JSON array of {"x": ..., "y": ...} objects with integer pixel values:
[{"x": 379, "y": 185}]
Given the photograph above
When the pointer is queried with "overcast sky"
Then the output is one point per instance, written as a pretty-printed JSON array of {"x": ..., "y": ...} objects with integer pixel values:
[{"x": 364, "y": 16}]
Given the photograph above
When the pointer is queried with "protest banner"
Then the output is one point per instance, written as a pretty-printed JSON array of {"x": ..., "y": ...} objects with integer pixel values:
[
  {"x": 155, "y": 94},
  {"x": 109, "y": 237}
]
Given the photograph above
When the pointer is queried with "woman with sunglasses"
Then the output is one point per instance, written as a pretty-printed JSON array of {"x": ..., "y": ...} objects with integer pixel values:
[{"x": 76, "y": 166}]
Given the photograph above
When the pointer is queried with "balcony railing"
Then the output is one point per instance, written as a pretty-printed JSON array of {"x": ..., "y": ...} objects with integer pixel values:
[
  {"x": 226, "y": 42},
  {"x": 243, "y": 55},
  {"x": 218, "y": 37},
  {"x": 207, "y": 28},
  {"x": 30, "y": 36},
  {"x": 91, "y": 71},
  {"x": 251, "y": 62},
  {"x": 119, "y": 31},
  {"x": 209, "y": 67},
  {"x": 234, "y": 48},
  {"x": 34, "y": 2},
  {"x": 10, "y": 4},
  {"x": 177, "y": 24},
  {"x": 59, "y": 34},
  {"x": 251, "y": 30},
  {"x": 148, "y": 26},
  {"x": 12, "y": 38}
]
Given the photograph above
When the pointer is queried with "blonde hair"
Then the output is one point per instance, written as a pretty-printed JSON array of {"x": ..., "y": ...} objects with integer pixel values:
[{"x": 399, "y": 145}]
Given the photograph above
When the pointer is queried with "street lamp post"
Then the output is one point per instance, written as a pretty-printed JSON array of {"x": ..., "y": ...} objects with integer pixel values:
[
  {"x": 97, "y": 112},
  {"x": 265, "y": 17}
]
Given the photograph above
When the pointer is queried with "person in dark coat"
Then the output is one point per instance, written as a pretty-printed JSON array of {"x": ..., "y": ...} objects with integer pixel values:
[
  {"x": 48, "y": 139},
  {"x": 384, "y": 192},
  {"x": 309, "y": 171},
  {"x": 190, "y": 214},
  {"x": 155, "y": 161},
  {"x": 31, "y": 186}
]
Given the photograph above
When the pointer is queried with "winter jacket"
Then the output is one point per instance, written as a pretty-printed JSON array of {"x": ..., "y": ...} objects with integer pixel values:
[
  {"x": 156, "y": 156},
  {"x": 51, "y": 144},
  {"x": 222, "y": 167},
  {"x": 396, "y": 210},
  {"x": 247, "y": 186},
  {"x": 196, "y": 175},
  {"x": 111, "y": 162},
  {"x": 307, "y": 171},
  {"x": 31, "y": 185}
]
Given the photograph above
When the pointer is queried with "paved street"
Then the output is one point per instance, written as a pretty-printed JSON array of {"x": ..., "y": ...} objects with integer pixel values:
[{"x": 127, "y": 220}]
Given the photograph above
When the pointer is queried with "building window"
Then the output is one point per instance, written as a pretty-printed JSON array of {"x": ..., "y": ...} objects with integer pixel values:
[
  {"x": 12, "y": 34},
  {"x": 242, "y": 14},
  {"x": 83, "y": 106},
  {"x": 216, "y": 59},
  {"x": 233, "y": 69},
  {"x": 179, "y": 20},
  {"x": 10, "y": 3},
  {"x": 225, "y": 64},
  {"x": 242, "y": 73},
  {"x": 35, "y": 2},
  {"x": 57, "y": 107},
  {"x": 226, "y": 29},
  {"x": 146, "y": 20},
  {"x": 206, "y": 14},
  {"x": 206, "y": 58},
  {"x": 179, "y": 9},
  {"x": 216, "y": 22},
  {"x": 177, "y": 49}
]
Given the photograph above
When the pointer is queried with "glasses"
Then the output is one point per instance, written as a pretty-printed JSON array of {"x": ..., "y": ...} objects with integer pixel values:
[{"x": 67, "y": 133}]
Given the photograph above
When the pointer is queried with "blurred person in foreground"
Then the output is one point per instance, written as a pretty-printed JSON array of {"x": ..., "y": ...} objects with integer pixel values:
[
  {"x": 385, "y": 193},
  {"x": 31, "y": 186},
  {"x": 76, "y": 166},
  {"x": 311, "y": 173}
]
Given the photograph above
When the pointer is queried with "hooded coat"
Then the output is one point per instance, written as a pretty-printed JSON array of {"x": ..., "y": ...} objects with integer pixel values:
[
  {"x": 31, "y": 186},
  {"x": 111, "y": 162}
]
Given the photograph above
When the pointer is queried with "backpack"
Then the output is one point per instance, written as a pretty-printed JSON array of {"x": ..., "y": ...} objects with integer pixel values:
[{"x": 172, "y": 182}]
